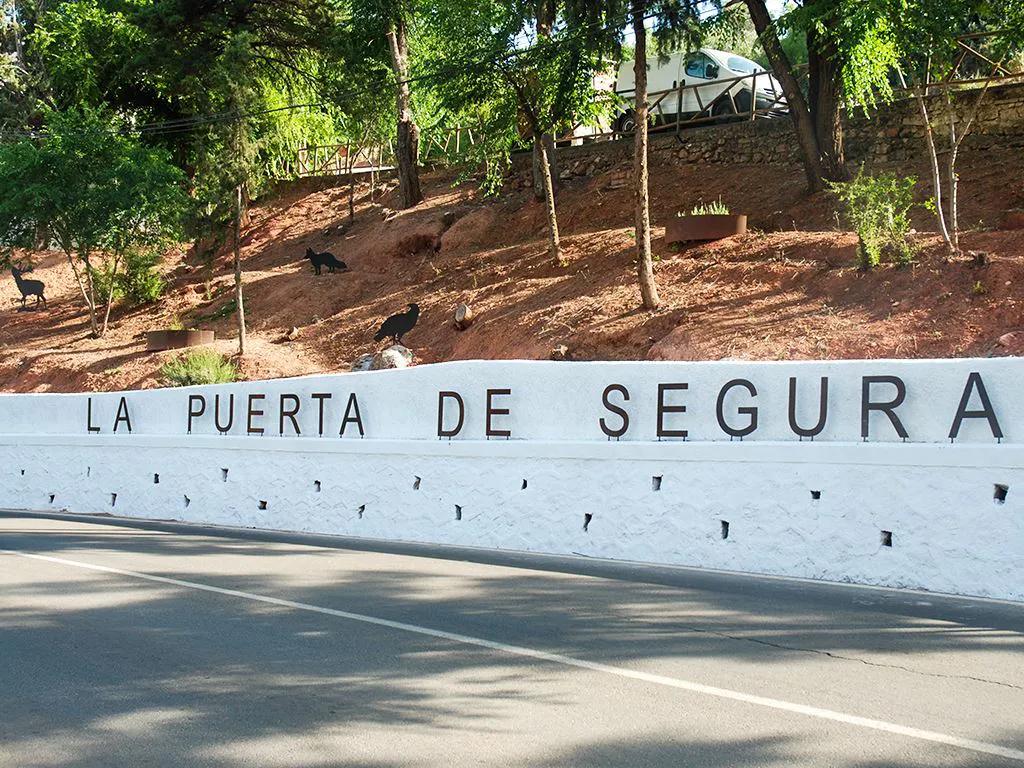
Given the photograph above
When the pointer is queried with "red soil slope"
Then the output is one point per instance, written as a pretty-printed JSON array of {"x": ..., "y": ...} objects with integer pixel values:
[{"x": 787, "y": 290}]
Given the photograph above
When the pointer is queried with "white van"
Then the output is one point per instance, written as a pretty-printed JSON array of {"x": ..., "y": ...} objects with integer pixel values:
[{"x": 710, "y": 88}]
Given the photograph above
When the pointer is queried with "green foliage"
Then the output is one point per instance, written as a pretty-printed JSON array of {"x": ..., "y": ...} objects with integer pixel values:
[
  {"x": 512, "y": 94},
  {"x": 98, "y": 192},
  {"x": 714, "y": 208},
  {"x": 878, "y": 207},
  {"x": 154, "y": 61},
  {"x": 135, "y": 282},
  {"x": 199, "y": 366}
]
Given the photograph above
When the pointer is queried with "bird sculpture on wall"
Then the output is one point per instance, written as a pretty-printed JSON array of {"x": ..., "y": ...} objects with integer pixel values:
[{"x": 396, "y": 326}]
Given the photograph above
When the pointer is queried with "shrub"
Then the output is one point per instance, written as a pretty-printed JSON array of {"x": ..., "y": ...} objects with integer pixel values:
[
  {"x": 141, "y": 284},
  {"x": 199, "y": 366},
  {"x": 136, "y": 282},
  {"x": 715, "y": 207},
  {"x": 878, "y": 207}
]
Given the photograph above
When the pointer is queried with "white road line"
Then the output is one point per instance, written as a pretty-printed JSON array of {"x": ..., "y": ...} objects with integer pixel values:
[{"x": 569, "y": 661}]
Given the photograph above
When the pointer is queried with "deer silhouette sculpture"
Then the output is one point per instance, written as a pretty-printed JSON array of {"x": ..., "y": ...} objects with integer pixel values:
[{"x": 28, "y": 287}]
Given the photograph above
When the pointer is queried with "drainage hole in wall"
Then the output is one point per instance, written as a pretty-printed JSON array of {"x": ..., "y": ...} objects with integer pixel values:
[
  {"x": 458, "y": 512},
  {"x": 263, "y": 504},
  {"x": 886, "y": 538},
  {"x": 524, "y": 485},
  {"x": 815, "y": 495},
  {"x": 416, "y": 482},
  {"x": 23, "y": 471},
  {"x": 362, "y": 508},
  {"x": 52, "y": 497},
  {"x": 656, "y": 483},
  {"x": 725, "y": 528},
  {"x": 113, "y": 499},
  {"x": 156, "y": 479},
  {"x": 999, "y": 496},
  {"x": 224, "y": 474},
  {"x": 587, "y": 517},
  {"x": 316, "y": 486},
  {"x": 187, "y": 502}
]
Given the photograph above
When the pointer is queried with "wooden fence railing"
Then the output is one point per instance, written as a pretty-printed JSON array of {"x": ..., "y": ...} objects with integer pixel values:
[{"x": 746, "y": 97}]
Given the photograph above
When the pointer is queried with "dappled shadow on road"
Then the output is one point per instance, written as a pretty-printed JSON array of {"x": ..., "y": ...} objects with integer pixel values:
[
  {"x": 107, "y": 670},
  {"x": 734, "y": 753}
]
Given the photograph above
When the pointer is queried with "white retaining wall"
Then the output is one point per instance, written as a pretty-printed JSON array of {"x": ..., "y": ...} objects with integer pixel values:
[{"x": 773, "y": 502}]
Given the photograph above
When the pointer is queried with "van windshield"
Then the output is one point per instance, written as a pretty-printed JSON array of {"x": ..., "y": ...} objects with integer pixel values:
[{"x": 745, "y": 66}]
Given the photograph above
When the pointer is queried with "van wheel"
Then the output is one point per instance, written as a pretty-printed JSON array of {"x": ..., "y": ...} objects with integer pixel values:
[
  {"x": 723, "y": 108},
  {"x": 626, "y": 122}
]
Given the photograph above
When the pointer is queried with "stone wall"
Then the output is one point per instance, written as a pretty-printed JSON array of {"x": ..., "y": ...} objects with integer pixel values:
[{"x": 892, "y": 133}]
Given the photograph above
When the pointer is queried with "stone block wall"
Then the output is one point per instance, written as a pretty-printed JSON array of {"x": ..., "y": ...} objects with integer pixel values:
[{"x": 892, "y": 133}]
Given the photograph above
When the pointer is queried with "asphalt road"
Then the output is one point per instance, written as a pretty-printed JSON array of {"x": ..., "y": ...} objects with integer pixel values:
[{"x": 130, "y": 645}]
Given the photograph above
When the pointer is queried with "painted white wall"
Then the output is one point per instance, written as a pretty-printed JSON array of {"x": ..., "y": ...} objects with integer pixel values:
[{"x": 936, "y": 497}]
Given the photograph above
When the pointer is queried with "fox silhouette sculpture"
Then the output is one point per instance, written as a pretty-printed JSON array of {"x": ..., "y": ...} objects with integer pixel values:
[
  {"x": 28, "y": 287},
  {"x": 325, "y": 259},
  {"x": 396, "y": 326}
]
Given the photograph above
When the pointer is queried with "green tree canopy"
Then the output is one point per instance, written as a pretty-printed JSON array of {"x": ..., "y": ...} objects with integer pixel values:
[{"x": 96, "y": 191}]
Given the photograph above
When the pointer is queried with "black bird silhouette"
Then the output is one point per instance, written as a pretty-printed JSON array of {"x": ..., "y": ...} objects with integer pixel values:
[{"x": 398, "y": 325}]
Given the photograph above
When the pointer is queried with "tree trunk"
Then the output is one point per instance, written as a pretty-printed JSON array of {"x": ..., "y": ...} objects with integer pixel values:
[
  {"x": 955, "y": 140},
  {"x": 546, "y": 16},
  {"x": 351, "y": 183},
  {"x": 555, "y": 245},
  {"x": 644, "y": 261},
  {"x": 548, "y": 140},
  {"x": 825, "y": 101},
  {"x": 933, "y": 157},
  {"x": 920, "y": 96},
  {"x": 86, "y": 292},
  {"x": 407, "y": 148},
  {"x": 110, "y": 296},
  {"x": 239, "y": 306},
  {"x": 951, "y": 180},
  {"x": 798, "y": 111},
  {"x": 90, "y": 285}
]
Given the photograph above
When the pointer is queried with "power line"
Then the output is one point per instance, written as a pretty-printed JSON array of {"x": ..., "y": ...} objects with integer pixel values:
[{"x": 186, "y": 124}]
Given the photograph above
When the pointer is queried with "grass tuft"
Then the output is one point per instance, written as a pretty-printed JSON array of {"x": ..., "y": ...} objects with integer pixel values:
[{"x": 199, "y": 366}]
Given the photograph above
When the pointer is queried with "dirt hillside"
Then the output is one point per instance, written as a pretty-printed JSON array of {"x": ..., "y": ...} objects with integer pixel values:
[{"x": 787, "y": 290}]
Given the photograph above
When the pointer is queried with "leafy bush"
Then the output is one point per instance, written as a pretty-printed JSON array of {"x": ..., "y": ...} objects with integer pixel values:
[
  {"x": 199, "y": 366},
  {"x": 141, "y": 283},
  {"x": 136, "y": 282},
  {"x": 878, "y": 207},
  {"x": 714, "y": 208}
]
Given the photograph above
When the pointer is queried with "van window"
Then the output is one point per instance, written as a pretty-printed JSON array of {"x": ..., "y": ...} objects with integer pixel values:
[
  {"x": 699, "y": 65},
  {"x": 742, "y": 65}
]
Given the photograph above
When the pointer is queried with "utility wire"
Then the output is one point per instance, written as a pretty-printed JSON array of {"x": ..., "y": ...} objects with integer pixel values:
[{"x": 186, "y": 124}]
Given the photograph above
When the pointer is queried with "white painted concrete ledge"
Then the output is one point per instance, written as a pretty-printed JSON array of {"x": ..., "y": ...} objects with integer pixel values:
[{"x": 828, "y": 509}]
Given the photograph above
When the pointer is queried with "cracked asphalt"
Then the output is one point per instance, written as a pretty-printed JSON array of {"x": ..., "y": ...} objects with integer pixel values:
[{"x": 154, "y": 644}]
